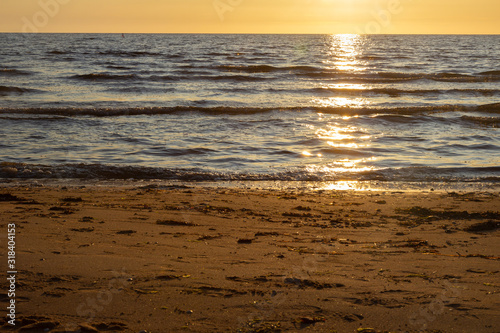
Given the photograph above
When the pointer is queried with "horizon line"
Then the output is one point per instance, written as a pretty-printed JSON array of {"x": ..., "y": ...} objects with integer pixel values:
[{"x": 252, "y": 33}]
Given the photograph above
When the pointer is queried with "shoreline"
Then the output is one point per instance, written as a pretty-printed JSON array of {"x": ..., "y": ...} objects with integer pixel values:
[
  {"x": 184, "y": 257},
  {"x": 282, "y": 185}
]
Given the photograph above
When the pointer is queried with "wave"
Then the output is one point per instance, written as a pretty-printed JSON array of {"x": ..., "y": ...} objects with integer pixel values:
[
  {"x": 267, "y": 68},
  {"x": 11, "y": 170},
  {"x": 33, "y": 118},
  {"x": 57, "y": 52},
  {"x": 173, "y": 56},
  {"x": 399, "y": 118},
  {"x": 186, "y": 77},
  {"x": 137, "y": 90},
  {"x": 381, "y": 77},
  {"x": 372, "y": 57},
  {"x": 191, "y": 72},
  {"x": 110, "y": 112},
  {"x": 119, "y": 67},
  {"x": 493, "y": 122},
  {"x": 237, "y": 78},
  {"x": 493, "y": 73},
  {"x": 104, "y": 76},
  {"x": 394, "y": 92},
  {"x": 199, "y": 76},
  {"x": 492, "y": 108},
  {"x": 230, "y": 110},
  {"x": 397, "y": 77},
  {"x": 5, "y": 90},
  {"x": 13, "y": 72},
  {"x": 165, "y": 78},
  {"x": 129, "y": 53}
]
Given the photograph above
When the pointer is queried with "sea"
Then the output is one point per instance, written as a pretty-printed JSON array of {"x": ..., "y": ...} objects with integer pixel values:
[{"x": 413, "y": 111}]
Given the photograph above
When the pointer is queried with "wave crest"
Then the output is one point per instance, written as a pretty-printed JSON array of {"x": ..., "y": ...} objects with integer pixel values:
[
  {"x": 6, "y": 90},
  {"x": 105, "y": 76},
  {"x": 114, "y": 172}
]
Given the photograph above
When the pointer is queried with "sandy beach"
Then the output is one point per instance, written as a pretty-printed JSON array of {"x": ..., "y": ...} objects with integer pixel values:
[{"x": 195, "y": 259}]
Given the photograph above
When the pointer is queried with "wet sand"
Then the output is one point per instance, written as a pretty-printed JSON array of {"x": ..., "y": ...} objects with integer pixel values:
[{"x": 193, "y": 259}]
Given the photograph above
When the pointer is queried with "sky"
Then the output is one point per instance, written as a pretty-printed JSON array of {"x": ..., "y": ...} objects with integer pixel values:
[{"x": 252, "y": 16}]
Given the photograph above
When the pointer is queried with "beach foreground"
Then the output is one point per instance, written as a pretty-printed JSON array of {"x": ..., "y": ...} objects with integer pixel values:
[{"x": 182, "y": 258}]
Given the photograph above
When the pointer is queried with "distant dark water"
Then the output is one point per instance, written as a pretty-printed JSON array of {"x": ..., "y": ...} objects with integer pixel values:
[{"x": 250, "y": 107}]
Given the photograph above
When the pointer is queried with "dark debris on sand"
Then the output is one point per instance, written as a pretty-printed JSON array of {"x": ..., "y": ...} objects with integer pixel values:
[
  {"x": 10, "y": 197},
  {"x": 446, "y": 215},
  {"x": 175, "y": 223},
  {"x": 484, "y": 226}
]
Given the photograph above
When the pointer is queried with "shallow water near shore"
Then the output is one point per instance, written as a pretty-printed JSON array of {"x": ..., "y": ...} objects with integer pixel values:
[
  {"x": 260, "y": 108},
  {"x": 288, "y": 186}
]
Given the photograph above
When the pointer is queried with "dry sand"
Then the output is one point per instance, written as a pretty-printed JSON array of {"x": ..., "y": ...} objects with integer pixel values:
[{"x": 179, "y": 259}]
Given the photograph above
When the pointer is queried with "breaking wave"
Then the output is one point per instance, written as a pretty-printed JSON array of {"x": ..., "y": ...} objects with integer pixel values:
[
  {"x": 130, "y": 111},
  {"x": 113, "y": 172}
]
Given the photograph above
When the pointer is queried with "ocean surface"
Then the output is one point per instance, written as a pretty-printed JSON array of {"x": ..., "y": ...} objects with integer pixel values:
[{"x": 384, "y": 108}]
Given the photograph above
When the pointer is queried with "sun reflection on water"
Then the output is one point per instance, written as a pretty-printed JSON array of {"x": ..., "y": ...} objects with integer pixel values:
[
  {"x": 346, "y": 86},
  {"x": 342, "y": 186},
  {"x": 344, "y": 53},
  {"x": 341, "y": 102},
  {"x": 336, "y": 132},
  {"x": 341, "y": 166},
  {"x": 344, "y": 56},
  {"x": 342, "y": 144}
]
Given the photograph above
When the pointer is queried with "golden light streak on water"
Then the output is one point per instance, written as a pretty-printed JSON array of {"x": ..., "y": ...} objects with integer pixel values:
[{"x": 345, "y": 51}]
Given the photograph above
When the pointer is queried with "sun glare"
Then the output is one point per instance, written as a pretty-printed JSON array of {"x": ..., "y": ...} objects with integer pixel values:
[{"x": 344, "y": 52}]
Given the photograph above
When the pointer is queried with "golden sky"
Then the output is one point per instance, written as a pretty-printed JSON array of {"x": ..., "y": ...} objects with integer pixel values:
[{"x": 252, "y": 16}]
